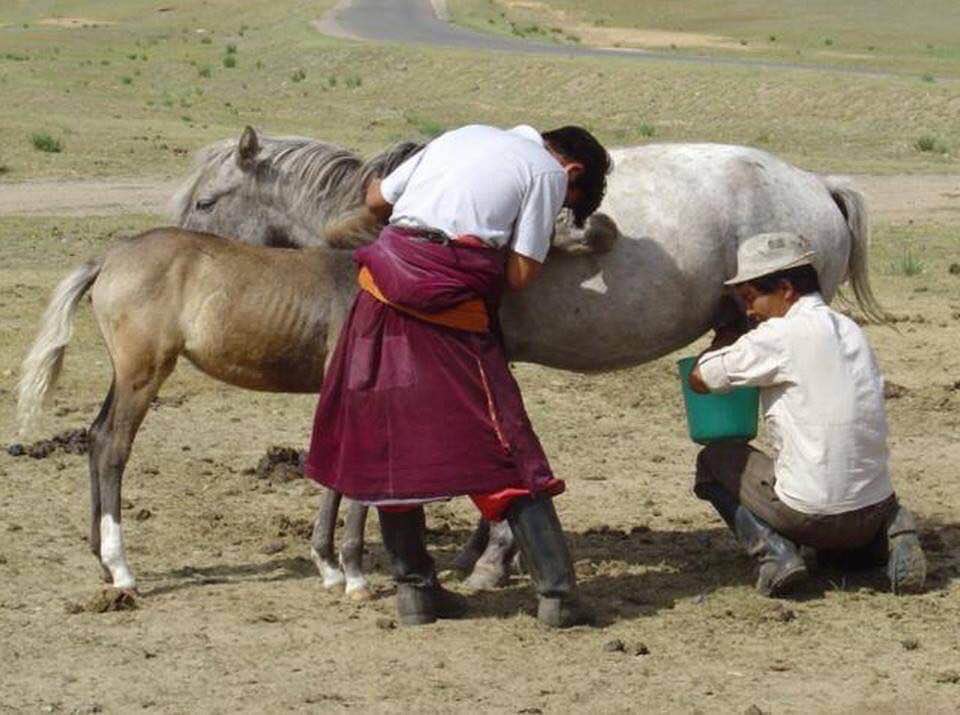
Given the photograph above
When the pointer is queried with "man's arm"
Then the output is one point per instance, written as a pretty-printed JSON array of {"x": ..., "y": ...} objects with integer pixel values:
[
  {"x": 521, "y": 271},
  {"x": 378, "y": 205}
]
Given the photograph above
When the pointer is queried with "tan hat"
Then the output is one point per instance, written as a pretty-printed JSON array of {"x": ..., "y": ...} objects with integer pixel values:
[{"x": 768, "y": 253}]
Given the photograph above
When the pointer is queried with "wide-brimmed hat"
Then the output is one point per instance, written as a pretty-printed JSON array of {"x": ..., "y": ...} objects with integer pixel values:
[{"x": 768, "y": 253}]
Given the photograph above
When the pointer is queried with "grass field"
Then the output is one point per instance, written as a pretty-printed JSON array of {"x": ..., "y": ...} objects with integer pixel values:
[
  {"x": 138, "y": 96},
  {"x": 882, "y": 34}
]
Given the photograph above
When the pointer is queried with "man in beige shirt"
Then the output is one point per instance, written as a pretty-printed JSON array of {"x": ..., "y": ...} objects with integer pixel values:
[{"x": 828, "y": 486}]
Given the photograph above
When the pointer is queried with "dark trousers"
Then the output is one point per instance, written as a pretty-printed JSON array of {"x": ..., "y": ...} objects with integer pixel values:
[{"x": 747, "y": 474}]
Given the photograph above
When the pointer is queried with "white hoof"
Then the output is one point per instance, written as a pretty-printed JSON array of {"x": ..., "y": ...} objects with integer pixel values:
[
  {"x": 486, "y": 578},
  {"x": 332, "y": 575},
  {"x": 359, "y": 594}
]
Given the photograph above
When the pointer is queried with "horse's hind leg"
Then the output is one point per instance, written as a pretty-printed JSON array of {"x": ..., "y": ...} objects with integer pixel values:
[
  {"x": 351, "y": 551},
  {"x": 471, "y": 552},
  {"x": 493, "y": 567},
  {"x": 93, "y": 461},
  {"x": 111, "y": 438},
  {"x": 321, "y": 543}
]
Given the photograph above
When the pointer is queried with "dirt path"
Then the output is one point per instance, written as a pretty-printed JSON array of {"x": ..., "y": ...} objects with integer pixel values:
[
  {"x": 892, "y": 198},
  {"x": 102, "y": 197}
]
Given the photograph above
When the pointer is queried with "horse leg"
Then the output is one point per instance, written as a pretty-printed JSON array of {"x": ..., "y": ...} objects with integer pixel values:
[
  {"x": 351, "y": 552},
  {"x": 137, "y": 379},
  {"x": 321, "y": 543},
  {"x": 468, "y": 556},
  {"x": 93, "y": 463},
  {"x": 493, "y": 567}
]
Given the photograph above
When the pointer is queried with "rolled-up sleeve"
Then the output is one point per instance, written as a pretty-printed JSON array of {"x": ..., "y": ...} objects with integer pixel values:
[
  {"x": 396, "y": 181},
  {"x": 538, "y": 213},
  {"x": 758, "y": 358}
]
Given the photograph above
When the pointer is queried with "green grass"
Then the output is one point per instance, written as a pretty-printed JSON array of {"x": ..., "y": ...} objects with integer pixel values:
[
  {"x": 906, "y": 264},
  {"x": 230, "y": 61},
  {"x": 42, "y": 141},
  {"x": 826, "y": 122},
  {"x": 428, "y": 128},
  {"x": 930, "y": 144},
  {"x": 884, "y": 34}
]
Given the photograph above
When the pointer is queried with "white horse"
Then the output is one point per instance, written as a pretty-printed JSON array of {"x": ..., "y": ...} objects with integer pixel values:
[{"x": 682, "y": 210}]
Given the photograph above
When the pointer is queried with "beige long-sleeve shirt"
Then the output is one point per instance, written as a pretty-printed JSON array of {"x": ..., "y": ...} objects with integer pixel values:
[{"x": 821, "y": 392}]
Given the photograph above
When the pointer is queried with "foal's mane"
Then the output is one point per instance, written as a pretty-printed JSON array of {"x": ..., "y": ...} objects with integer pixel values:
[{"x": 320, "y": 173}]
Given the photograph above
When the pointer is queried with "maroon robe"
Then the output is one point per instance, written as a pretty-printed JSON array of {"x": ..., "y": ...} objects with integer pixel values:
[{"x": 414, "y": 411}]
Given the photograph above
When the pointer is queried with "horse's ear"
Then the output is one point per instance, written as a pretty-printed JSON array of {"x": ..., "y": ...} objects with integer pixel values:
[{"x": 248, "y": 146}]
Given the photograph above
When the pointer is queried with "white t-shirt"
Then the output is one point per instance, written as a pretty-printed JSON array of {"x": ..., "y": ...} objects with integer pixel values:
[
  {"x": 501, "y": 186},
  {"x": 822, "y": 396}
]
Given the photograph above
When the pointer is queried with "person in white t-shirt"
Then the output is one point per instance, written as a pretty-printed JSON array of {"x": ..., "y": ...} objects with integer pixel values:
[
  {"x": 418, "y": 403},
  {"x": 828, "y": 486}
]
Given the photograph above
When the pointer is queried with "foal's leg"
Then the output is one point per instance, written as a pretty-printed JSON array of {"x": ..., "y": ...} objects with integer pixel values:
[
  {"x": 321, "y": 543},
  {"x": 351, "y": 551},
  {"x": 93, "y": 462},
  {"x": 471, "y": 552},
  {"x": 138, "y": 374},
  {"x": 492, "y": 569}
]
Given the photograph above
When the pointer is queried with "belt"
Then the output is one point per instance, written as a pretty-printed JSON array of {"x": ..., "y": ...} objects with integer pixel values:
[
  {"x": 470, "y": 315},
  {"x": 435, "y": 235}
]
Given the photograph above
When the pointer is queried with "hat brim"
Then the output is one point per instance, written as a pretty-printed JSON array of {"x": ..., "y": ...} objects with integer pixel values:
[{"x": 805, "y": 260}]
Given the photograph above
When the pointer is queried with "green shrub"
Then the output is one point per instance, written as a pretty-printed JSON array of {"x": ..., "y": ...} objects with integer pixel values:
[
  {"x": 42, "y": 141},
  {"x": 907, "y": 265},
  {"x": 298, "y": 75},
  {"x": 353, "y": 81},
  {"x": 230, "y": 61},
  {"x": 929, "y": 143},
  {"x": 646, "y": 130},
  {"x": 828, "y": 41},
  {"x": 126, "y": 80},
  {"x": 206, "y": 40},
  {"x": 928, "y": 77},
  {"x": 132, "y": 56},
  {"x": 427, "y": 127},
  {"x": 332, "y": 80},
  {"x": 205, "y": 71},
  {"x": 231, "y": 49},
  {"x": 4, "y": 169}
]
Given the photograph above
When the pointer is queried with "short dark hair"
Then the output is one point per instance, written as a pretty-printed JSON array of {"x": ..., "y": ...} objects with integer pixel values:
[
  {"x": 804, "y": 280},
  {"x": 577, "y": 144}
]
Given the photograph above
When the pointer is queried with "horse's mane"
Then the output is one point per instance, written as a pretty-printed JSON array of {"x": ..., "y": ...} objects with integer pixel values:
[{"x": 322, "y": 174}]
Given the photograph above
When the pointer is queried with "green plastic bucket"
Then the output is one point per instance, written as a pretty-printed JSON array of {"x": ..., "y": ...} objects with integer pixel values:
[{"x": 713, "y": 418}]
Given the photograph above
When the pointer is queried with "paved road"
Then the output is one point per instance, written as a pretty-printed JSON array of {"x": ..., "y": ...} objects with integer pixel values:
[{"x": 415, "y": 22}]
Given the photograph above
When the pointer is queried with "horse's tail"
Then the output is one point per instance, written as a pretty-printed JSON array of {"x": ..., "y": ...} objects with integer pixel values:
[
  {"x": 41, "y": 367},
  {"x": 853, "y": 207}
]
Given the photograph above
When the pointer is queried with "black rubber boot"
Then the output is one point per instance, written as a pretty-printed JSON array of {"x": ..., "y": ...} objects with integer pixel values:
[
  {"x": 781, "y": 566},
  {"x": 906, "y": 564},
  {"x": 420, "y": 597},
  {"x": 537, "y": 529}
]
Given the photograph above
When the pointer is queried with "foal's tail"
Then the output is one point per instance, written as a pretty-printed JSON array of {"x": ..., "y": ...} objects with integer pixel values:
[
  {"x": 853, "y": 207},
  {"x": 41, "y": 367}
]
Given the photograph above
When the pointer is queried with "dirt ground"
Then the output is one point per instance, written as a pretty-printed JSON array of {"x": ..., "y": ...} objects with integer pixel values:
[{"x": 232, "y": 616}]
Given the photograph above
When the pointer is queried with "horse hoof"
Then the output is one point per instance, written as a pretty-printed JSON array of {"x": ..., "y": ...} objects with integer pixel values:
[
  {"x": 486, "y": 578},
  {"x": 113, "y": 599},
  {"x": 359, "y": 594},
  {"x": 466, "y": 560}
]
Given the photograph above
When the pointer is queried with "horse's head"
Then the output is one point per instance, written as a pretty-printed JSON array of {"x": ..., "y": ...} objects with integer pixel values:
[
  {"x": 278, "y": 191},
  {"x": 232, "y": 194}
]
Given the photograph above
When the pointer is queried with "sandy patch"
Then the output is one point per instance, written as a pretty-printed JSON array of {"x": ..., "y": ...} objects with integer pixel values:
[
  {"x": 74, "y": 23},
  {"x": 625, "y": 36}
]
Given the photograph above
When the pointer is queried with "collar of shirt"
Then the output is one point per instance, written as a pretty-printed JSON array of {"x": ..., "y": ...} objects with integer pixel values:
[
  {"x": 805, "y": 302},
  {"x": 527, "y": 132}
]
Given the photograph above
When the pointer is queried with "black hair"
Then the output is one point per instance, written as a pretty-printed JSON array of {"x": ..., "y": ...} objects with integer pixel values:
[
  {"x": 804, "y": 280},
  {"x": 577, "y": 144}
]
